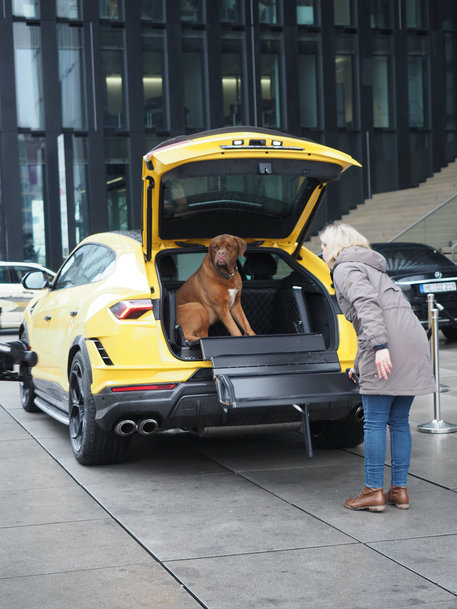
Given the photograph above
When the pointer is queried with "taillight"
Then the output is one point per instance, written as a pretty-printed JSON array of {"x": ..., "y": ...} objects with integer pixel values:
[{"x": 131, "y": 309}]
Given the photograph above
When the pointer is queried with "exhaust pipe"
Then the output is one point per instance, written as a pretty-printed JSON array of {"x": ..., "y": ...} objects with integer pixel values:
[
  {"x": 146, "y": 427},
  {"x": 358, "y": 413},
  {"x": 126, "y": 427}
]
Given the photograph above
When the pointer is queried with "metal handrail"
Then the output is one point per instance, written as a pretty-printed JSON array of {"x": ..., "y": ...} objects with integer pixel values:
[{"x": 424, "y": 217}]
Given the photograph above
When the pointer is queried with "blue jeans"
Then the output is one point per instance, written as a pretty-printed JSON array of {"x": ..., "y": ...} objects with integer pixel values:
[{"x": 380, "y": 411}]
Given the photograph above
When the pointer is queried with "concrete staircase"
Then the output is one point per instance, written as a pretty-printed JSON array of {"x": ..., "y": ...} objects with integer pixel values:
[{"x": 386, "y": 214}]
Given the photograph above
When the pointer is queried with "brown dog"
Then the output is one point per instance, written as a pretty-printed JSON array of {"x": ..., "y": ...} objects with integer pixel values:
[{"x": 213, "y": 292}]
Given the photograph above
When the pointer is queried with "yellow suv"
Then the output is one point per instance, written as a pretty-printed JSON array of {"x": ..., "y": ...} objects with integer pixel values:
[{"x": 112, "y": 360}]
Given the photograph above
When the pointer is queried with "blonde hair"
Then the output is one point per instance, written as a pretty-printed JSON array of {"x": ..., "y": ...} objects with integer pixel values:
[{"x": 336, "y": 237}]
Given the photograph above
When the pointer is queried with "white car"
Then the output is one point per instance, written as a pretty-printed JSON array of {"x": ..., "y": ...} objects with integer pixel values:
[{"x": 13, "y": 296}]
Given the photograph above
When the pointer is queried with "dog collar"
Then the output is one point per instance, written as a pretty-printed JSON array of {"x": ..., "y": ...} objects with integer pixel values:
[{"x": 224, "y": 275}]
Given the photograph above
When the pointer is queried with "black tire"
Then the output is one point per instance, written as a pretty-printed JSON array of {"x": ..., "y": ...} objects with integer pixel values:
[
  {"x": 26, "y": 386},
  {"x": 450, "y": 334},
  {"x": 90, "y": 443},
  {"x": 337, "y": 434},
  {"x": 27, "y": 390}
]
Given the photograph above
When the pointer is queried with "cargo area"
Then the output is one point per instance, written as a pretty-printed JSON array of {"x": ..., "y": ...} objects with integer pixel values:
[{"x": 279, "y": 298}]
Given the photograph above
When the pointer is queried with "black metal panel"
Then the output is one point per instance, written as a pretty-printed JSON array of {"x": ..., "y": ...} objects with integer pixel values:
[
  {"x": 264, "y": 390},
  {"x": 263, "y": 344}
]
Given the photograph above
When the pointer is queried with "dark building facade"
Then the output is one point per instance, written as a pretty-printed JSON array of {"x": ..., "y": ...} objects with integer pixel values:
[{"x": 89, "y": 86}]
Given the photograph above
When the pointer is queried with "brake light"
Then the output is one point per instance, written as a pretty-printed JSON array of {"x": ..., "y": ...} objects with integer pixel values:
[
  {"x": 131, "y": 309},
  {"x": 162, "y": 386}
]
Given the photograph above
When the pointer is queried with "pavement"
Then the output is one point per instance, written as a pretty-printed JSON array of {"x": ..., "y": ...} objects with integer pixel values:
[{"x": 227, "y": 523}]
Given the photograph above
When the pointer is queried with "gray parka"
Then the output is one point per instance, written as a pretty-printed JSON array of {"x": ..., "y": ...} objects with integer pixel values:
[{"x": 380, "y": 313}]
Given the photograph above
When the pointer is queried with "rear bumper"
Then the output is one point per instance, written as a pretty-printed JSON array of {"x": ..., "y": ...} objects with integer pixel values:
[{"x": 196, "y": 404}]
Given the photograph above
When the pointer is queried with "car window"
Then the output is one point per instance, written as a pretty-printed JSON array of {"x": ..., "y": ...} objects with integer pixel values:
[
  {"x": 413, "y": 257},
  {"x": 89, "y": 263},
  {"x": 4, "y": 275},
  {"x": 245, "y": 197}
]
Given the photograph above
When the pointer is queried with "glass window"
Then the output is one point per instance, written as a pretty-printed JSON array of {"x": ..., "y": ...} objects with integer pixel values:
[
  {"x": 69, "y": 9},
  {"x": 381, "y": 13},
  {"x": 450, "y": 74},
  {"x": 270, "y": 81},
  {"x": 111, "y": 9},
  {"x": 343, "y": 11},
  {"x": 232, "y": 80},
  {"x": 117, "y": 163},
  {"x": 268, "y": 11},
  {"x": 153, "y": 75},
  {"x": 112, "y": 56},
  {"x": 229, "y": 196},
  {"x": 26, "y": 8},
  {"x": 417, "y": 86},
  {"x": 81, "y": 188},
  {"x": 71, "y": 76},
  {"x": 87, "y": 264},
  {"x": 152, "y": 9},
  {"x": 231, "y": 10},
  {"x": 194, "y": 82},
  {"x": 416, "y": 14},
  {"x": 32, "y": 165},
  {"x": 382, "y": 75},
  {"x": 449, "y": 11},
  {"x": 384, "y": 163},
  {"x": 191, "y": 10},
  {"x": 344, "y": 90},
  {"x": 305, "y": 12},
  {"x": 308, "y": 82},
  {"x": 29, "y": 78},
  {"x": 345, "y": 81}
]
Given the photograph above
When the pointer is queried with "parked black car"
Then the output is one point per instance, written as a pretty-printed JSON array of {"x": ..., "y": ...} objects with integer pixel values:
[{"x": 420, "y": 270}]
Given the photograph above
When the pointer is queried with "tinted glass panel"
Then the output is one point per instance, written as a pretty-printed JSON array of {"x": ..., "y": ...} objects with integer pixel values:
[
  {"x": 153, "y": 76},
  {"x": 343, "y": 12},
  {"x": 29, "y": 83},
  {"x": 111, "y": 9},
  {"x": 112, "y": 55},
  {"x": 87, "y": 264},
  {"x": 71, "y": 76},
  {"x": 26, "y": 8},
  {"x": 247, "y": 197},
  {"x": 232, "y": 81},
  {"x": 194, "y": 83},
  {"x": 32, "y": 162},
  {"x": 268, "y": 11},
  {"x": 308, "y": 83},
  {"x": 191, "y": 10},
  {"x": 152, "y": 9},
  {"x": 270, "y": 82},
  {"x": 231, "y": 10},
  {"x": 116, "y": 183},
  {"x": 305, "y": 12},
  {"x": 412, "y": 257},
  {"x": 71, "y": 9}
]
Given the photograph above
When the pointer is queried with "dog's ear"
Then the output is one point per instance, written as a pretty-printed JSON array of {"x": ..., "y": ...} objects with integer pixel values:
[{"x": 242, "y": 245}]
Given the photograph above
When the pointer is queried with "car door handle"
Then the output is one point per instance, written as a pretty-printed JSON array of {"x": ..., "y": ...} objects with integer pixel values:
[
  {"x": 47, "y": 317},
  {"x": 73, "y": 313}
]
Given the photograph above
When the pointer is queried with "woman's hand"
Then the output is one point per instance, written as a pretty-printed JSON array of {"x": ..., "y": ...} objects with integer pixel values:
[
  {"x": 383, "y": 363},
  {"x": 352, "y": 374}
]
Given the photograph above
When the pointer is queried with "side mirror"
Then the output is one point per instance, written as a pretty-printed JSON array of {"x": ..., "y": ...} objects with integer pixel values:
[{"x": 35, "y": 280}]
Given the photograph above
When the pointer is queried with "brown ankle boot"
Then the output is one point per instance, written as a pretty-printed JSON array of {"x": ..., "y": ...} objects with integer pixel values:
[
  {"x": 398, "y": 497},
  {"x": 371, "y": 499}
]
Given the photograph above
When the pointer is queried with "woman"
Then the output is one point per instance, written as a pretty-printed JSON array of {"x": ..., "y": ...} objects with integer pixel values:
[{"x": 392, "y": 362}]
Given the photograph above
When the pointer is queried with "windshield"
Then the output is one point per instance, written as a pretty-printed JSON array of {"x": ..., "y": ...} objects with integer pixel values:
[
  {"x": 246, "y": 197},
  {"x": 413, "y": 257}
]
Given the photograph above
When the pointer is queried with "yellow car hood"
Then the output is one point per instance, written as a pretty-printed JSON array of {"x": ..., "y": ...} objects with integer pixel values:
[{"x": 255, "y": 183}]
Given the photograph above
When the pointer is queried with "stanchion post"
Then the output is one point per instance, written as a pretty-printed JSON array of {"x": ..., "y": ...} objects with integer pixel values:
[{"x": 437, "y": 425}]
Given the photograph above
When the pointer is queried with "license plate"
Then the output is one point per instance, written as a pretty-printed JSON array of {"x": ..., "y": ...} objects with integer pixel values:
[{"x": 443, "y": 286}]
